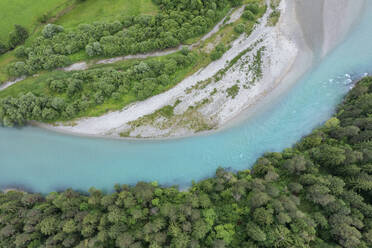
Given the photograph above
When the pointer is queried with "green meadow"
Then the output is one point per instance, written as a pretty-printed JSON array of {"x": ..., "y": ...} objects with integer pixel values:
[
  {"x": 25, "y": 13},
  {"x": 104, "y": 10}
]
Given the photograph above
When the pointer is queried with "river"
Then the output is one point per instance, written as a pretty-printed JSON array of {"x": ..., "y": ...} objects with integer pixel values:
[{"x": 39, "y": 160}]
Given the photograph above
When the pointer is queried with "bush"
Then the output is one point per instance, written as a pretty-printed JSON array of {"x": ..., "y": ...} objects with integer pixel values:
[
  {"x": 253, "y": 7},
  {"x": 94, "y": 49},
  {"x": 247, "y": 14},
  {"x": 233, "y": 91},
  {"x": 50, "y": 30},
  {"x": 3, "y": 48},
  {"x": 17, "y": 69},
  {"x": 43, "y": 18},
  {"x": 235, "y": 3},
  {"x": 240, "y": 28},
  {"x": 20, "y": 52},
  {"x": 18, "y": 36},
  {"x": 218, "y": 51}
]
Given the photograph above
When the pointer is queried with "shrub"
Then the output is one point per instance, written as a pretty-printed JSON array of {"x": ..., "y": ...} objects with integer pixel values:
[
  {"x": 94, "y": 49},
  {"x": 233, "y": 91},
  {"x": 240, "y": 28},
  {"x": 218, "y": 51},
  {"x": 20, "y": 52},
  {"x": 43, "y": 18},
  {"x": 17, "y": 69},
  {"x": 253, "y": 7},
  {"x": 50, "y": 30},
  {"x": 247, "y": 14},
  {"x": 18, "y": 36},
  {"x": 3, "y": 48}
]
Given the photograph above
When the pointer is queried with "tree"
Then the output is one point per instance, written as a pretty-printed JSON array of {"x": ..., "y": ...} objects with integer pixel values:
[
  {"x": 263, "y": 216},
  {"x": 235, "y": 3},
  {"x": 17, "y": 69},
  {"x": 49, "y": 225},
  {"x": 50, "y": 30},
  {"x": 225, "y": 232},
  {"x": 254, "y": 232}
]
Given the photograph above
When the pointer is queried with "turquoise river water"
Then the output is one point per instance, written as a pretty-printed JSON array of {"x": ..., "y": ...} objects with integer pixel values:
[{"x": 44, "y": 161}]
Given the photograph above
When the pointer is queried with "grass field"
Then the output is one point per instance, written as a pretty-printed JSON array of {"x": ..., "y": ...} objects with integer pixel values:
[
  {"x": 25, "y": 13},
  {"x": 66, "y": 12},
  {"x": 100, "y": 10}
]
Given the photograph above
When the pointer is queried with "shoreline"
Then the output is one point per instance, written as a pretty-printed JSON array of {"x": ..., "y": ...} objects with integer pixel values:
[{"x": 292, "y": 72}]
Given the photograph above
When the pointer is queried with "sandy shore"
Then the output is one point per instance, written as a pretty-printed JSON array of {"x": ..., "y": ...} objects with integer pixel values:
[{"x": 289, "y": 51}]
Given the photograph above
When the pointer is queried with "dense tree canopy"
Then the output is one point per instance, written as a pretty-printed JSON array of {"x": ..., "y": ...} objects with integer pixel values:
[{"x": 315, "y": 194}]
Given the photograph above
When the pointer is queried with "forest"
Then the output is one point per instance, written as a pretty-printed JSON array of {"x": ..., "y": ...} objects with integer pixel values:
[{"x": 317, "y": 193}]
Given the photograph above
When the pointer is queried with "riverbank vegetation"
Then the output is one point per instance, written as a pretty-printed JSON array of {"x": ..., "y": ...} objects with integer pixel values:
[
  {"x": 67, "y": 95},
  {"x": 103, "y": 87},
  {"x": 316, "y": 194},
  {"x": 175, "y": 23}
]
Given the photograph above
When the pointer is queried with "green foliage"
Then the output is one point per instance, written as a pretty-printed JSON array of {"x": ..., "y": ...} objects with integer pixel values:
[
  {"x": 68, "y": 95},
  {"x": 218, "y": 51},
  {"x": 50, "y": 30},
  {"x": 176, "y": 23},
  {"x": 247, "y": 14},
  {"x": 18, "y": 36},
  {"x": 3, "y": 48},
  {"x": 240, "y": 28}
]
